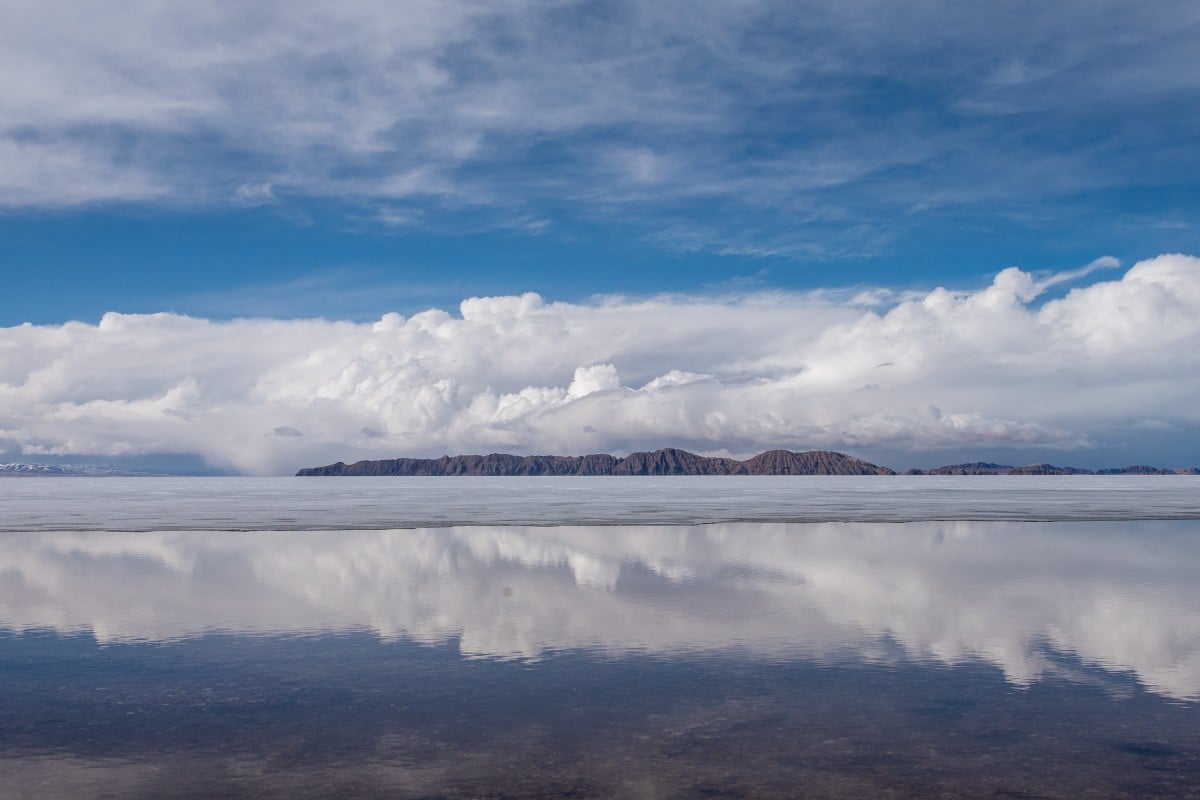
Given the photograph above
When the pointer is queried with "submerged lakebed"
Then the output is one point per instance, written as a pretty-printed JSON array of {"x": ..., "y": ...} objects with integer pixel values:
[{"x": 535, "y": 638}]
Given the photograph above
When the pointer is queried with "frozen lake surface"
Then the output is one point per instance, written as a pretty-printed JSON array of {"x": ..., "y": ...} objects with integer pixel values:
[{"x": 380, "y": 503}]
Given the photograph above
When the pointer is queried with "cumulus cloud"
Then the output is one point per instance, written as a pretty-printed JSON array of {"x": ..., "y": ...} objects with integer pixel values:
[{"x": 1004, "y": 366}]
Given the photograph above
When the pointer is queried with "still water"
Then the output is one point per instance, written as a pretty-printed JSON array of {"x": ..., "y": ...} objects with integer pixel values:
[{"x": 1013, "y": 657}]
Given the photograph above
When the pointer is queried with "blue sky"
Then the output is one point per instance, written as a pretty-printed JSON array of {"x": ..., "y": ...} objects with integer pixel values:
[
  {"x": 192, "y": 161},
  {"x": 296, "y": 161}
]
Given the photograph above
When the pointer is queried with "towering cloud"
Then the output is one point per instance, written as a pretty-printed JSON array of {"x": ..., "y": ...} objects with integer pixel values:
[{"x": 1014, "y": 365}]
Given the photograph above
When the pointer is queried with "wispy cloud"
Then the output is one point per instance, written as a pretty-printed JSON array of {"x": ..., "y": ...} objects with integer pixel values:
[{"x": 679, "y": 116}]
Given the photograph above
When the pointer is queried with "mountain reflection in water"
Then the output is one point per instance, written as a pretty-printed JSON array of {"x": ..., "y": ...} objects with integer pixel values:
[{"x": 1029, "y": 598}]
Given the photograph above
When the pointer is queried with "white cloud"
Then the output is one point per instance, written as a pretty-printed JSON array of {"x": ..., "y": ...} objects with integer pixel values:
[
  {"x": 254, "y": 194},
  {"x": 767, "y": 109},
  {"x": 70, "y": 173},
  {"x": 589, "y": 380},
  {"x": 993, "y": 368}
]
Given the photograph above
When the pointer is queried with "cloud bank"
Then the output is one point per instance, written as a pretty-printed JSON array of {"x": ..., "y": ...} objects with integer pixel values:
[{"x": 1110, "y": 369}]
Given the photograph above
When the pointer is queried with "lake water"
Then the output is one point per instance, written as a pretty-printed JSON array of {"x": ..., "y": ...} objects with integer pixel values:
[{"x": 769, "y": 637}]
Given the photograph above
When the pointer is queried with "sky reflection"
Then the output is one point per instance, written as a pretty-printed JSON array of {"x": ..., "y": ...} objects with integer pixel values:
[{"x": 1021, "y": 596}]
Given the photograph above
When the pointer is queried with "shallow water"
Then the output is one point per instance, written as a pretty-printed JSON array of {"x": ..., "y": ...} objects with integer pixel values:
[
  {"x": 773, "y": 659},
  {"x": 28, "y": 504}
]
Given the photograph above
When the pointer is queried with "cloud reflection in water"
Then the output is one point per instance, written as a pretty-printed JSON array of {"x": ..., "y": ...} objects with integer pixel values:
[{"x": 1019, "y": 595}]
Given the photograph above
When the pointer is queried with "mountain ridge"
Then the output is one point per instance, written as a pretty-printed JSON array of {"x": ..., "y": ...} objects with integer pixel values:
[
  {"x": 667, "y": 461},
  {"x": 674, "y": 461}
]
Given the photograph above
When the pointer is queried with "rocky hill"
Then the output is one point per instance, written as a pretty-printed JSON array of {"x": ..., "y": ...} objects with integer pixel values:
[
  {"x": 813, "y": 462},
  {"x": 669, "y": 461}
]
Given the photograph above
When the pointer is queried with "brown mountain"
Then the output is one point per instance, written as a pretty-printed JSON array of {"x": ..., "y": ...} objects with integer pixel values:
[
  {"x": 672, "y": 461},
  {"x": 813, "y": 462},
  {"x": 669, "y": 461},
  {"x": 1143, "y": 469},
  {"x": 492, "y": 464},
  {"x": 973, "y": 468}
]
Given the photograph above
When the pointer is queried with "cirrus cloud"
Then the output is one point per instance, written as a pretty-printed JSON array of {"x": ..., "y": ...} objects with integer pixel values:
[{"x": 753, "y": 127}]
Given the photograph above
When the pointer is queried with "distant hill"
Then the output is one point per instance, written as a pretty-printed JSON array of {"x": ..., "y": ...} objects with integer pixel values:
[
  {"x": 984, "y": 468},
  {"x": 672, "y": 461},
  {"x": 64, "y": 470},
  {"x": 669, "y": 461}
]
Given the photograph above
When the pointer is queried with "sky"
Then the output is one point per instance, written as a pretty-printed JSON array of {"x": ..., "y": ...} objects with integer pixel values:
[{"x": 259, "y": 236}]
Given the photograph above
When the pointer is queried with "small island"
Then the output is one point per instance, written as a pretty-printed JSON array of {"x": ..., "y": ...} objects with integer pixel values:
[
  {"x": 673, "y": 461},
  {"x": 668, "y": 461}
]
